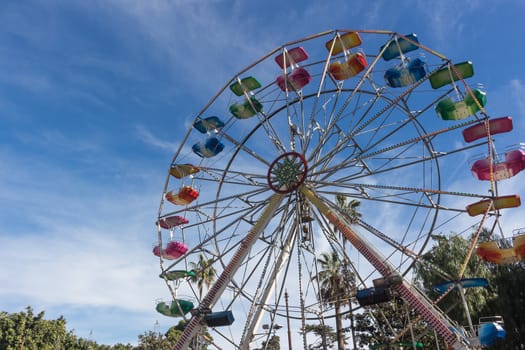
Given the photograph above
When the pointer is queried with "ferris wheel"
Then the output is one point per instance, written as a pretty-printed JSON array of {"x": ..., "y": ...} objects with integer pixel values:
[{"x": 347, "y": 142}]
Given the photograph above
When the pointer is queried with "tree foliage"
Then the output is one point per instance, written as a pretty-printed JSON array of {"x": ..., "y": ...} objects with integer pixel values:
[
  {"x": 29, "y": 331},
  {"x": 274, "y": 343},
  {"x": 449, "y": 254},
  {"x": 507, "y": 283},
  {"x": 157, "y": 341},
  {"x": 204, "y": 273},
  {"x": 326, "y": 336},
  {"x": 504, "y": 297},
  {"x": 387, "y": 323}
]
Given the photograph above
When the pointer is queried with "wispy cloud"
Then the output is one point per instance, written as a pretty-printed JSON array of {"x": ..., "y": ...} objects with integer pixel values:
[
  {"x": 517, "y": 88},
  {"x": 148, "y": 138},
  {"x": 447, "y": 18}
]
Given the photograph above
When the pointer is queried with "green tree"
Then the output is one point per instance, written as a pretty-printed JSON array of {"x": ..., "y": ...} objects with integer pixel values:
[
  {"x": 120, "y": 346},
  {"x": 326, "y": 334},
  {"x": 334, "y": 289},
  {"x": 445, "y": 261},
  {"x": 442, "y": 262},
  {"x": 506, "y": 282},
  {"x": 449, "y": 253},
  {"x": 25, "y": 330},
  {"x": 29, "y": 331},
  {"x": 510, "y": 304},
  {"x": 204, "y": 273},
  {"x": 382, "y": 323},
  {"x": 200, "y": 341},
  {"x": 150, "y": 340},
  {"x": 502, "y": 298},
  {"x": 274, "y": 343}
]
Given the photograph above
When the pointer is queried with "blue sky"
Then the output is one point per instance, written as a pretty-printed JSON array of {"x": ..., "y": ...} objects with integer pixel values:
[{"x": 95, "y": 96}]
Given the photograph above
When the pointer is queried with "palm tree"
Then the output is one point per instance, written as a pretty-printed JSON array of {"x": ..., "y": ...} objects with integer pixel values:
[
  {"x": 333, "y": 289},
  {"x": 204, "y": 273},
  {"x": 351, "y": 210}
]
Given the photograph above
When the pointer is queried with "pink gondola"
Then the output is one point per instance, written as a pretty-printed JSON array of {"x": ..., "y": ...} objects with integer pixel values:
[
  {"x": 172, "y": 221},
  {"x": 185, "y": 196},
  {"x": 513, "y": 164},
  {"x": 174, "y": 250},
  {"x": 292, "y": 57},
  {"x": 294, "y": 81},
  {"x": 496, "y": 126}
]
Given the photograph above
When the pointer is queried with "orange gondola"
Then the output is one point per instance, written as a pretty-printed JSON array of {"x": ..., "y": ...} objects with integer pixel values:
[
  {"x": 181, "y": 170},
  {"x": 510, "y": 201}
]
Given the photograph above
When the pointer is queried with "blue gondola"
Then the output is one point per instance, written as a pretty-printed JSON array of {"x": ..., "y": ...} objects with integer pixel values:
[
  {"x": 398, "y": 46},
  {"x": 406, "y": 74},
  {"x": 208, "y": 124},
  {"x": 209, "y": 148}
]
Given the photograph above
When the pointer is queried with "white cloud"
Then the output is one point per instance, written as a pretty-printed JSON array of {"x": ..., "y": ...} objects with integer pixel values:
[
  {"x": 80, "y": 266},
  {"x": 72, "y": 245}
]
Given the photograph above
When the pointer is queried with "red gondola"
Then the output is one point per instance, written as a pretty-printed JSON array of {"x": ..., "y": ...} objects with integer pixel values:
[{"x": 186, "y": 195}]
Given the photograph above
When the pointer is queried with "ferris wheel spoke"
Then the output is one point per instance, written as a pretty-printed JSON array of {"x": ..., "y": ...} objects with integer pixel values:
[
  {"x": 222, "y": 282},
  {"x": 266, "y": 288},
  {"x": 223, "y": 202},
  {"x": 245, "y": 149},
  {"x": 404, "y": 199}
]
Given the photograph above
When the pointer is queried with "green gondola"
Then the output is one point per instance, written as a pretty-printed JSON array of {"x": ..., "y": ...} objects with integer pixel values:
[
  {"x": 177, "y": 308},
  {"x": 177, "y": 274},
  {"x": 446, "y": 75}
]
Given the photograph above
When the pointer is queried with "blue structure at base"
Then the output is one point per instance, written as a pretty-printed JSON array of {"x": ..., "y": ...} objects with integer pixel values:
[
  {"x": 464, "y": 282},
  {"x": 218, "y": 319},
  {"x": 490, "y": 332},
  {"x": 374, "y": 295}
]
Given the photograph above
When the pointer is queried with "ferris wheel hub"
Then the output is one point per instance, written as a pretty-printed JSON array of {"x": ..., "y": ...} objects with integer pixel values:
[{"x": 287, "y": 172}]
